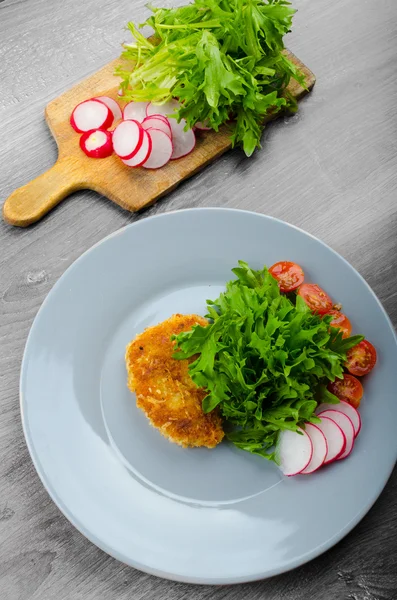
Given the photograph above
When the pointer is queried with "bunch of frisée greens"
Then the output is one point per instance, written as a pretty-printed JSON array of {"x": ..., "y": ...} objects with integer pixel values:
[
  {"x": 265, "y": 359},
  {"x": 222, "y": 59}
]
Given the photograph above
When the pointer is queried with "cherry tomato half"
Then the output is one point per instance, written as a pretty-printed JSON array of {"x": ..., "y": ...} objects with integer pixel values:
[
  {"x": 316, "y": 299},
  {"x": 340, "y": 321},
  {"x": 289, "y": 275},
  {"x": 361, "y": 359},
  {"x": 348, "y": 389}
]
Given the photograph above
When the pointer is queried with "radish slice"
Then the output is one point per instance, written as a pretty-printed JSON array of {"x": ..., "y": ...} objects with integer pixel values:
[
  {"x": 294, "y": 451},
  {"x": 346, "y": 408},
  {"x": 91, "y": 114},
  {"x": 97, "y": 143},
  {"x": 112, "y": 105},
  {"x": 120, "y": 92},
  {"x": 157, "y": 123},
  {"x": 166, "y": 109},
  {"x": 127, "y": 139},
  {"x": 135, "y": 110},
  {"x": 336, "y": 440},
  {"x": 320, "y": 448},
  {"x": 347, "y": 427},
  {"x": 183, "y": 141},
  {"x": 162, "y": 149},
  {"x": 202, "y": 126},
  {"x": 161, "y": 117},
  {"x": 143, "y": 153}
]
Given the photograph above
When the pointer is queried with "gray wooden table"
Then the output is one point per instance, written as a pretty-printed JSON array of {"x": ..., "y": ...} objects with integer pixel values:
[{"x": 331, "y": 170}]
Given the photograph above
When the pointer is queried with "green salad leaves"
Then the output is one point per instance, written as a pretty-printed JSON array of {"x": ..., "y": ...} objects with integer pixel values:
[
  {"x": 220, "y": 58},
  {"x": 264, "y": 359}
]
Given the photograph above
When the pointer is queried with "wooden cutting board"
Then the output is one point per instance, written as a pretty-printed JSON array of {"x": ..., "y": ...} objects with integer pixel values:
[{"x": 133, "y": 189}]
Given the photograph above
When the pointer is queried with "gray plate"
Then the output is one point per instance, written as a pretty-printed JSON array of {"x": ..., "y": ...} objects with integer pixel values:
[{"x": 197, "y": 515}]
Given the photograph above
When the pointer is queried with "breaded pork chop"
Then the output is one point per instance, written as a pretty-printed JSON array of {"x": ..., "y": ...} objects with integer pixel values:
[{"x": 164, "y": 389}]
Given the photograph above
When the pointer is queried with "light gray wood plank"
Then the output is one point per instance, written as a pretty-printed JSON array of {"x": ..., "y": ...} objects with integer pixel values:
[{"x": 330, "y": 169}]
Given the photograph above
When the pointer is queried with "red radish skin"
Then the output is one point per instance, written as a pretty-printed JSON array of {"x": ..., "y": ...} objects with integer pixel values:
[
  {"x": 346, "y": 408},
  {"x": 157, "y": 123},
  {"x": 162, "y": 149},
  {"x": 135, "y": 110},
  {"x": 90, "y": 115},
  {"x": 347, "y": 427},
  {"x": 97, "y": 143},
  {"x": 320, "y": 448},
  {"x": 294, "y": 451},
  {"x": 336, "y": 440},
  {"x": 127, "y": 139},
  {"x": 112, "y": 105},
  {"x": 143, "y": 153}
]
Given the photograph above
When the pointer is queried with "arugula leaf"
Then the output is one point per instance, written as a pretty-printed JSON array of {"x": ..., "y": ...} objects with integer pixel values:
[
  {"x": 264, "y": 359},
  {"x": 221, "y": 58}
]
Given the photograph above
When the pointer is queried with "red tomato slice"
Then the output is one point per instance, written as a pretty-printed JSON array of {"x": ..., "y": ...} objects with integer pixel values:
[
  {"x": 348, "y": 389},
  {"x": 289, "y": 275},
  {"x": 340, "y": 321},
  {"x": 361, "y": 359},
  {"x": 316, "y": 299}
]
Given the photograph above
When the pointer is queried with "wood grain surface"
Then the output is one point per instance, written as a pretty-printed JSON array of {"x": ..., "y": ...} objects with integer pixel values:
[
  {"x": 132, "y": 189},
  {"x": 330, "y": 169}
]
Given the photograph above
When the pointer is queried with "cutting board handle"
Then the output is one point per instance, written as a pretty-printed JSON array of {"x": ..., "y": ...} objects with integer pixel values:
[{"x": 32, "y": 201}]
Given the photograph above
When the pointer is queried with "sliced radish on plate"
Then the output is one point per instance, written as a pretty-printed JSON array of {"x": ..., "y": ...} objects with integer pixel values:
[
  {"x": 143, "y": 153},
  {"x": 91, "y": 114},
  {"x": 127, "y": 139},
  {"x": 294, "y": 451},
  {"x": 166, "y": 109},
  {"x": 97, "y": 143},
  {"x": 135, "y": 110},
  {"x": 346, "y": 408},
  {"x": 157, "y": 122},
  {"x": 320, "y": 448},
  {"x": 336, "y": 440},
  {"x": 112, "y": 105},
  {"x": 161, "y": 149},
  {"x": 346, "y": 426}
]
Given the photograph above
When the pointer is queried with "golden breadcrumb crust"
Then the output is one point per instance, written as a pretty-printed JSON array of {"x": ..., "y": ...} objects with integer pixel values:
[{"x": 164, "y": 389}]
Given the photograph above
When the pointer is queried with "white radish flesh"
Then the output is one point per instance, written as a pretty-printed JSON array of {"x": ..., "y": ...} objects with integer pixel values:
[
  {"x": 112, "y": 105},
  {"x": 335, "y": 437},
  {"x": 202, "y": 126},
  {"x": 91, "y": 114},
  {"x": 320, "y": 448},
  {"x": 294, "y": 451},
  {"x": 183, "y": 141},
  {"x": 135, "y": 110},
  {"x": 157, "y": 123},
  {"x": 97, "y": 144},
  {"x": 166, "y": 109},
  {"x": 346, "y": 408},
  {"x": 127, "y": 139},
  {"x": 347, "y": 427},
  {"x": 143, "y": 153},
  {"x": 161, "y": 149}
]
